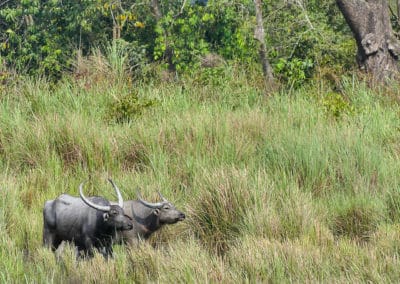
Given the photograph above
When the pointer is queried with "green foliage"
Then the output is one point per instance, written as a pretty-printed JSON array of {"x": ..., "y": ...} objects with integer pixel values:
[
  {"x": 211, "y": 76},
  {"x": 293, "y": 72},
  {"x": 42, "y": 37},
  {"x": 185, "y": 36},
  {"x": 222, "y": 27},
  {"x": 229, "y": 29},
  {"x": 314, "y": 35},
  {"x": 336, "y": 105},
  {"x": 128, "y": 107},
  {"x": 124, "y": 58},
  {"x": 304, "y": 36}
]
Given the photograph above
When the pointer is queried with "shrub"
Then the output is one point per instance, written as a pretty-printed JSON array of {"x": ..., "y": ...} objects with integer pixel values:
[
  {"x": 128, "y": 107},
  {"x": 293, "y": 72},
  {"x": 336, "y": 105}
]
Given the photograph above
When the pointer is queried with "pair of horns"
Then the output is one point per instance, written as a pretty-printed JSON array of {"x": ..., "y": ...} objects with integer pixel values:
[
  {"x": 152, "y": 205},
  {"x": 101, "y": 207}
]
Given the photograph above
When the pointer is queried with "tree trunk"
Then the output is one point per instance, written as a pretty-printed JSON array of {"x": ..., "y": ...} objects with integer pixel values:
[
  {"x": 260, "y": 36},
  {"x": 378, "y": 49}
]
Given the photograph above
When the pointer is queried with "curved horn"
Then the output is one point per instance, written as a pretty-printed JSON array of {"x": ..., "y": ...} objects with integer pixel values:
[
  {"x": 120, "y": 199},
  {"x": 148, "y": 204},
  {"x": 89, "y": 203},
  {"x": 162, "y": 197}
]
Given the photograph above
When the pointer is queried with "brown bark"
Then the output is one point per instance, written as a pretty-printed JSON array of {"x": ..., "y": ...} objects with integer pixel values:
[
  {"x": 378, "y": 49},
  {"x": 259, "y": 35}
]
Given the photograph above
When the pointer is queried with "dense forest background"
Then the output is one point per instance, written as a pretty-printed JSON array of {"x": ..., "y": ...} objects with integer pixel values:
[
  {"x": 294, "y": 179},
  {"x": 304, "y": 39}
]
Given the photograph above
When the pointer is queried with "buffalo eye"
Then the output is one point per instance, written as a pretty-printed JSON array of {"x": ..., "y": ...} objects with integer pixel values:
[
  {"x": 166, "y": 207},
  {"x": 113, "y": 212}
]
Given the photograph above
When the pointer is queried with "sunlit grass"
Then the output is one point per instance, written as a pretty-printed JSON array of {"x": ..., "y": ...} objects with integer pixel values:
[{"x": 275, "y": 188}]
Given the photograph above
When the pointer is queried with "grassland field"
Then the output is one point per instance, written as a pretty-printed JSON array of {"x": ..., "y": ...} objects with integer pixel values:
[{"x": 294, "y": 186}]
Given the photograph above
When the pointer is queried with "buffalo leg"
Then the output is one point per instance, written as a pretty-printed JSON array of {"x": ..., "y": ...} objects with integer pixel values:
[
  {"x": 88, "y": 250},
  {"x": 108, "y": 252},
  {"x": 50, "y": 240}
]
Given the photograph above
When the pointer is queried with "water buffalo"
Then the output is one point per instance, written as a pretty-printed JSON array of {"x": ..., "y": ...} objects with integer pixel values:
[
  {"x": 87, "y": 222},
  {"x": 147, "y": 218}
]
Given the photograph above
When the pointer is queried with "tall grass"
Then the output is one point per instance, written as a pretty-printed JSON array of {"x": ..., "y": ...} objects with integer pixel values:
[{"x": 275, "y": 188}]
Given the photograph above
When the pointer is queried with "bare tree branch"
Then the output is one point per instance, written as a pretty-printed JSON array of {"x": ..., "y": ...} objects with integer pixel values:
[{"x": 181, "y": 10}]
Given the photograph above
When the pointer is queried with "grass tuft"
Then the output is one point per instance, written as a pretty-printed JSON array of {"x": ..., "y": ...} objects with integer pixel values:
[
  {"x": 218, "y": 213},
  {"x": 357, "y": 218}
]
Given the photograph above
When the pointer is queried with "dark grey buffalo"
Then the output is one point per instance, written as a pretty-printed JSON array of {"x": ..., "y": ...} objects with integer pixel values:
[
  {"x": 87, "y": 222},
  {"x": 147, "y": 218}
]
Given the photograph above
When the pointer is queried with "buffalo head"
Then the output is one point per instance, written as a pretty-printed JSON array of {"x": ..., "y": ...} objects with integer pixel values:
[
  {"x": 165, "y": 210},
  {"x": 113, "y": 215}
]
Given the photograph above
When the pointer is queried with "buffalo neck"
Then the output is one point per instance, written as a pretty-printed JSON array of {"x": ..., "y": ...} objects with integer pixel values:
[
  {"x": 103, "y": 228},
  {"x": 147, "y": 219}
]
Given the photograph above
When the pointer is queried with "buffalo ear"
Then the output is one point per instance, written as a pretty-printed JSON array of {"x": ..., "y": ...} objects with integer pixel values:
[
  {"x": 157, "y": 212},
  {"x": 106, "y": 217}
]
